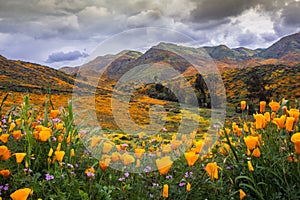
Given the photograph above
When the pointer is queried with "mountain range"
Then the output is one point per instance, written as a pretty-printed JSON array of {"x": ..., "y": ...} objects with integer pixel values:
[{"x": 21, "y": 76}]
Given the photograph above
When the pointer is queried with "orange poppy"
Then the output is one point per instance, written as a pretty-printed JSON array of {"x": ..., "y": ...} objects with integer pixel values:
[
  {"x": 164, "y": 164},
  {"x": 212, "y": 170},
  {"x": 262, "y": 106},
  {"x": 191, "y": 157},
  {"x": 21, "y": 194},
  {"x": 274, "y": 106}
]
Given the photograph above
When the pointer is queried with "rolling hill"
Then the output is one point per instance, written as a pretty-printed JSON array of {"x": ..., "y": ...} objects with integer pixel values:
[{"x": 233, "y": 63}]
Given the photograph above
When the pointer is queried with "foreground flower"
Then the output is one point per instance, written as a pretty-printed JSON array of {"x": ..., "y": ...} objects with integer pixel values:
[
  {"x": 251, "y": 142},
  {"x": 139, "y": 153},
  {"x": 262, "y": 106},
  {"x": 44, "y": 135},
  {"x": 127, "y": 159},
  {"x": 242, "y": 194},
  {"x": 243, "y": 105},
  {"x": 5, "y": 173},
  {"x": 274, "y": 106},
  {"x": 90, "y": 172},
  {"x": 296, "y": 140},
  {"x": 17, "y": 134},
  {"x": 20, "y": 157},
  {"x": 188, "y": 187},
  {"x": 280, "y": 121},
  {"x": 21, "y": 194},
  {"x": 256, "y": 153},
  {"x": 259, "y": 121},
  {"x": 164, "y": 164},
  {"x": 289, "y": 124},
  {"x": 4, "y": 152},
  {"x": 165, "y": 191},
  {"x": 294, "y": 113},
  {"x": 59, "y": 155},
  {"x": 250, "y": 166},
  {"x": 198, "y": 145},
  {"x": 49, "y": 177},
  {"x": 4, "y": 137},
  {"x": 54, "y": 113},
  {"x": 104, "y": 164},
  {"x": 107, "y": 147},
  {"x": 191, "y": 157},
  {"x": 212, "y": 170}
]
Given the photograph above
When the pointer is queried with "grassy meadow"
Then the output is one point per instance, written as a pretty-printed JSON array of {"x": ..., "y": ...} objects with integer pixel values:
[{"x": 43, "y": 157}]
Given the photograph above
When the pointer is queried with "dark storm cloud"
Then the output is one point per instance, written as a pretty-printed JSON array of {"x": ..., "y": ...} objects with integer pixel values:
[
  {"x": 57, "y": 25},
  {"x": 69, "y": 56},
  {"x": 291, "y": 14},
  {"x": 219, "y": 9}
]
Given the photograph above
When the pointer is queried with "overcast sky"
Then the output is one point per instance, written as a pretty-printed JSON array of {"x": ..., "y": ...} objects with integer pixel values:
[{"x": 65, "y": 32}]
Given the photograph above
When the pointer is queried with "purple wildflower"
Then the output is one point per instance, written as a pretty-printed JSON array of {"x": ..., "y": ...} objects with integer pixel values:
[
  {"x": 155, "y": 184},
  {"x": 147, "y": 169},
  {"x": 169, "y": 177},
  {"x": 90, "y": 174},
  {"x": 5, "y": 187},
  {"x": 121, "y": 179},
  {"x": 151, "y": 196},
  {"x": 186, "y": 175},
  {"x": 49, "y": 177},
  {"x": 126, "y": 174},
  {"x": 181, "y": 184}
]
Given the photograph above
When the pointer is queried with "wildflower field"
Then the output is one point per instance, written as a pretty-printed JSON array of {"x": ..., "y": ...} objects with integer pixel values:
[{"x": 255, "y": 157}]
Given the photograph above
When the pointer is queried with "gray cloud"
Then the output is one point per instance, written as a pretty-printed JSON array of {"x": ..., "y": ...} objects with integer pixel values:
[
  {"x": 46, "y": 26},
  {"x": 219, "y": 9},
  {"x": 69, "y": 56},
  {"x": 291, "y": 14}
]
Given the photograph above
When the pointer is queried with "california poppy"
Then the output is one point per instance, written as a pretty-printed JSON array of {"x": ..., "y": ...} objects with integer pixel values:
[
  {"x": 11, "y": 127},
  {"x": 280, "y": 121},
  {"x": 164, "y": 164},
  {"x": 44, "y": 135},
  {"x": 115, "y": 156},
  {"x": 259, "y": 121},
  {"x": 289, "y": 124},
  {"x": 242, "y": 194},
  {"x": 54, "y": 113},
  {"x": 243, "y": 105},
  {"x": 274, "y": 106},
  {"x": 21, "y": 194},
  {"x": 256, "y": 153},
  {"x": 251, "y": 142},
  {"x": 165, "y": 191},
  {"x": 4, "y": 137},
  {"x": 212, "y": 170},
  {"x": 188, "y": 187},
  {"x": 4, "y": 152},
  {"x": 104, "y": 164},
  {"x": 127, "y": 159},
  {"x": 191, "y": 157},
  {"x": 107, "y": 147},
  {"x": 250, "y": 166},
  {"x": 296, "y": 140},
  {"x": 139, "y": 152},
  {"x": 59, "y": 155},
  {"x": 262, "y": 106},
  {"x": 20, "y": 157},
  {"x": 294, "y": 113},
  {"x": 198, "y": 145},
  {"x": 5, "y": 173},
  {"x": 17, "y": 134}
]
